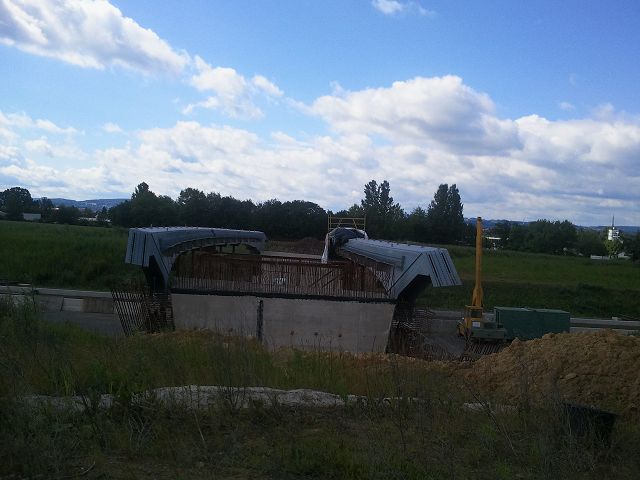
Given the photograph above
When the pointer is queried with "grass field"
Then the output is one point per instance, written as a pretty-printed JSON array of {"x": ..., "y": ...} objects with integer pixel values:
[
  {"x": 93, "y": 258},
  {"x": 65, "y": 256},
  {"x": 433, "y": 438},
  {"x": 517, "y": 279}
]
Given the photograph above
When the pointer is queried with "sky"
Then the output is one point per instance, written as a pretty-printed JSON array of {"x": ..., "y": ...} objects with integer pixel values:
[{"x": 530, "y": 108}]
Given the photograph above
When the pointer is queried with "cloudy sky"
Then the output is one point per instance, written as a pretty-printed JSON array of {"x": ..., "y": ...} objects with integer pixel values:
[{"x": 531, "y": 108}]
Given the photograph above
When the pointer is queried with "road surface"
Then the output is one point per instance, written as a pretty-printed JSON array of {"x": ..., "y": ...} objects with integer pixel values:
[{"x": 103, "y": 323}]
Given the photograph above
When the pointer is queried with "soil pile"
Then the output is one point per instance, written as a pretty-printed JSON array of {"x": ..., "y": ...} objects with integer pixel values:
[
  {"x": 307, "y": 246},
  {"x": 600, "y": 369}
]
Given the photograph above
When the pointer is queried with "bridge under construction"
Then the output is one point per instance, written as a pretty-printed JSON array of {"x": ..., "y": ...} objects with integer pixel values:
[{"x": 226, "y": 281}]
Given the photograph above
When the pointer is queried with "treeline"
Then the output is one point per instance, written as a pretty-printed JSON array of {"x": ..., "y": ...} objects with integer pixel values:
[
  {"x": 561, "y": 238},
  {"x": 17, "y": 201},
  {"x": 441, "y": 222}
]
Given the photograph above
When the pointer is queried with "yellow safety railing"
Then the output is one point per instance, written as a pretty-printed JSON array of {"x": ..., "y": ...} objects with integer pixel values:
[{"x": 348, "y": 222}]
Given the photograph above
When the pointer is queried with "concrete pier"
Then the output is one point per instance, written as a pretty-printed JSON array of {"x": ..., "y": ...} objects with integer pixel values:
[{"x": 319, "y": 324}]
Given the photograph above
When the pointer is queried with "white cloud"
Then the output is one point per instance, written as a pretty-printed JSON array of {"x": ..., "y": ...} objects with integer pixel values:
[
  {"x": 394, "y": 7},
  {"x": 223, "y": 81},
  {"x": 41, "y": 146},
  {"x": 416, "y": 134},
  {"x": 388, "y": 7},
  {"x": 233, "y": 94},
  {"x": 95, "y": 34},
  {"x": 111, "y": 127},
  {"x": 434, "y": 111},
  {"x": 566, "y": 106},
  {"x": 573, "y": 79},
  {"x": 268, "y": 87},
  {"x": 9, "y": 155},
  {"x": 20, "y": 120},
  {"x": 90, "y": 34}
]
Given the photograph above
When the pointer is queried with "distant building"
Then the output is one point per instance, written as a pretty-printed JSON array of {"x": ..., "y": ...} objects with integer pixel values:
[
  {"x": 32, "y": 217},
  {"x": 493, "y": 241},
  {"x": 613, "y": 233},
  {"x": 29, "y": 217}
]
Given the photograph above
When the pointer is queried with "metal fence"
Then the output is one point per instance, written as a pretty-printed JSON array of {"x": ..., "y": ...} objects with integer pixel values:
[
  {"x": 349, "y": 222},
  {"x": 410, "y": 333},
  {"x": 205, "y": 271},
  {"x": 139, "y": 310}
]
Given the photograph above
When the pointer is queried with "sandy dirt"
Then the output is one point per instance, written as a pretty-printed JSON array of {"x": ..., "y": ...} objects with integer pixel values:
[{"x": 599, "y": 369}]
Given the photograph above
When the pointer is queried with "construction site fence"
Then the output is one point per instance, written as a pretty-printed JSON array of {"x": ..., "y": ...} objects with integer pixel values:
[
  {"x": 205, "y": 271},
  {"x": 348, "y": 222},
  {"x": 140, "y": 310}
]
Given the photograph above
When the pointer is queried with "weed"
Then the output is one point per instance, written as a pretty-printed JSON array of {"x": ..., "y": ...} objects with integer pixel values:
[{"x": 420, "y": 431}]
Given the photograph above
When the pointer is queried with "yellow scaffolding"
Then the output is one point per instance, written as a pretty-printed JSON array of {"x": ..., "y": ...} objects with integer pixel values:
[{"x": 348, "y": 222}]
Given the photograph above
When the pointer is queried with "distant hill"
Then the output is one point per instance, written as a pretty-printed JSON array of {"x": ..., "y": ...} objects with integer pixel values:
[
  {"x": 492, "y": 223},
  {"x": 95, "y": 205},
  {"x": 628, "y": 229}
]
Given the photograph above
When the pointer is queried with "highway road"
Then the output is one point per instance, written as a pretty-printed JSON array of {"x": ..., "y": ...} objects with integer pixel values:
[
  {"x": 94, "y": 311},
  {"x": 103, "y": 323}
]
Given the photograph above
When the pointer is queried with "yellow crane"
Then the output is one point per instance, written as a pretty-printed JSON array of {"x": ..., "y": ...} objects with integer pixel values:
[
  {"x": 489, "y": 335},
  {"x": 473, "y": 314}
]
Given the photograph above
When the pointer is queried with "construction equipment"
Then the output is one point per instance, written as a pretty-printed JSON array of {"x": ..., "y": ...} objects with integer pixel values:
[
  {"x": 473, "y": 318},
  {"x": 482, "y": 335},
  {"x": 486, "y": 334}
]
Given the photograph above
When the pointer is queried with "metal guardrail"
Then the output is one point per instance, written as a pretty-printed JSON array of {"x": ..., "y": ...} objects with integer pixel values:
[
  {"x": 349, "y": 222},
  {"x": 625, "y": 327}
]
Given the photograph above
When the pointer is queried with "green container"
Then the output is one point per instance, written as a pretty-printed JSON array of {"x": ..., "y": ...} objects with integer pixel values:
[{"x": 529, "y": 323}]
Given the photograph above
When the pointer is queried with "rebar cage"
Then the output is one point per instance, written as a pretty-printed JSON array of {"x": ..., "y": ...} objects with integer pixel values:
[{"x": 280, "y": 276}]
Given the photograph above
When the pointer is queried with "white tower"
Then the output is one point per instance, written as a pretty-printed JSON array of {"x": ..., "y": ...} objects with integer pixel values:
[{"x": 614, "y": 233}]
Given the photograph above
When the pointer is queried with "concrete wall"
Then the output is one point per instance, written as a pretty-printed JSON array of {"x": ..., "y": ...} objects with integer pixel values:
[
  {"x": 309, "y": 324},
  {"x": 58, "y": 300},
  {"x": 224, "y": 314}
]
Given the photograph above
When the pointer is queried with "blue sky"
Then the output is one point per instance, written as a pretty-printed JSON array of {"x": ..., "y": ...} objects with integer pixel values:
[{"x": 531, "y": 108}]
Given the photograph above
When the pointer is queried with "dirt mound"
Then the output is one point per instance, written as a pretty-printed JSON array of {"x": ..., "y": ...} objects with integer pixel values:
[
  {"x": 600, "y": 369},
  {"x": 307, "y": 246}
]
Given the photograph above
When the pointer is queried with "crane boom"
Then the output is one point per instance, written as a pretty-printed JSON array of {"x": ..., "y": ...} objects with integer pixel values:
[
  {"x": 473, "y": 314},
  {"x": 477, "y": 300}
]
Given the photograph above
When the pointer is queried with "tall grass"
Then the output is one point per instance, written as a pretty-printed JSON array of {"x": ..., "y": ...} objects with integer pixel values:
[{"x": 421, "y": 432}]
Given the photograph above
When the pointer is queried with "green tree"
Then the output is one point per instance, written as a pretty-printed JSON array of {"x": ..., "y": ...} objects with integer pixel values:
[
  {"x": 517, "y": 236},
  {"x": 445, "y": 220},
  {"x": 632, "y": 246},
  {"x": 145, "y": 209},
  {"x": 102, "y": 216},
  {"x": 45, "y": 208},
  {"x": 614, "y": 247},
  {"x": 67, "y": 215},
  {"x": 148, "y": 209},
  {"x": 120, "y": 215},
  {"x": 305, "y": 219},
  {"x": 416, "y": 225},
  {"x": 589, "y": 242},
  {"x": 544, "y": 236},
  {"x": 16, "y": 201},
  {"x": 382, "y": 214},
  {"x": 354, "y": 211},
  {"x": 502, "y": 229},
  {"x": 192, "y": 207},
  {"x": 229, "y": 212}
]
